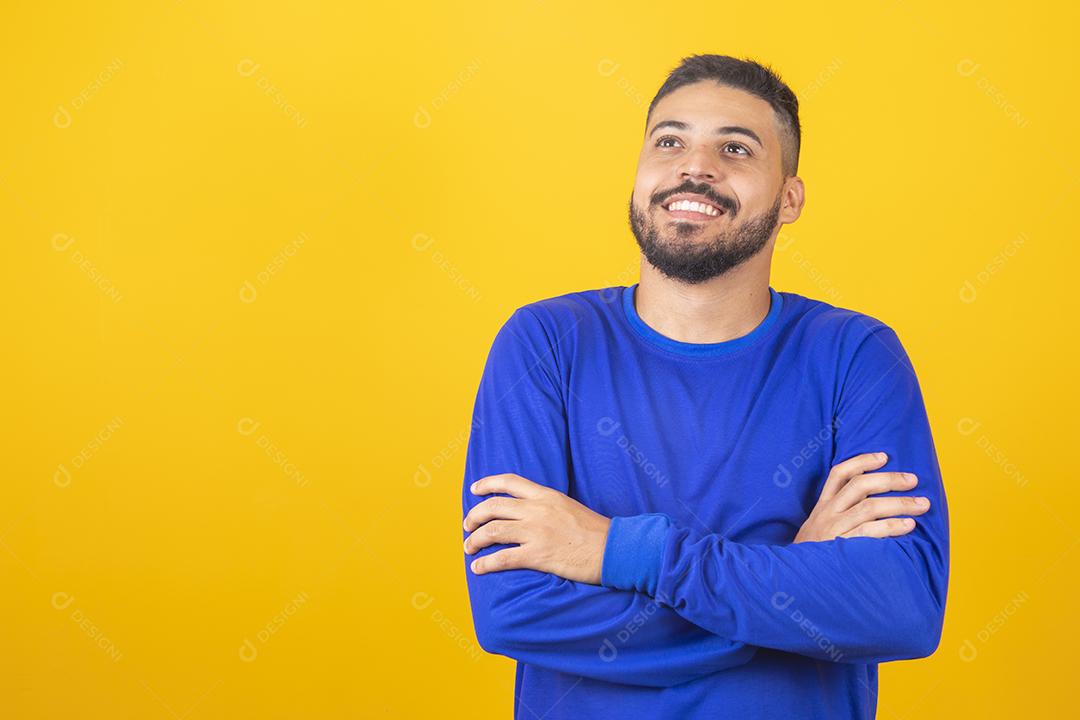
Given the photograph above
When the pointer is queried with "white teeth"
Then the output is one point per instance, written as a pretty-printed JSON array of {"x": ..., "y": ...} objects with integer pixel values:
[{"x": 694, "y": 207}]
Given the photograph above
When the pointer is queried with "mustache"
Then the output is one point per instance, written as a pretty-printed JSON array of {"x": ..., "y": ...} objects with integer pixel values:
[{"x": 721, "y": 201}]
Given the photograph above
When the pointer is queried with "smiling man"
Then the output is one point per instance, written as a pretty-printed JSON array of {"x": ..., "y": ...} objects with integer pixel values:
[{"x": 691, "y": 497}]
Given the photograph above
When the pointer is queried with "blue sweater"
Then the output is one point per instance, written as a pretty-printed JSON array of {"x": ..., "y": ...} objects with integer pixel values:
[{"x": 709, "y": 458}]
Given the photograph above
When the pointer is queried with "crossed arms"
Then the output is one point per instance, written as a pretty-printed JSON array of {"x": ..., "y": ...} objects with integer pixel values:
[{"x": 660, "y": 604}]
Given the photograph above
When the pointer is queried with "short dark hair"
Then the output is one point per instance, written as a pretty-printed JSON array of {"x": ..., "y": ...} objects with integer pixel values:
[{"x": 752, "y": 77}]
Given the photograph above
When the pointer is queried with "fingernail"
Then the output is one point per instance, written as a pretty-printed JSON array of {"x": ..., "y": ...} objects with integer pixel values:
[
  {"x": 882, "y": 456},
  {"x": 472, "y": 488},
  {"x": 923, "y": 502}
]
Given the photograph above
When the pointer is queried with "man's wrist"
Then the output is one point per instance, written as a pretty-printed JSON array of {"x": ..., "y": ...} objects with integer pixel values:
[{"x": 634, "y": 551}]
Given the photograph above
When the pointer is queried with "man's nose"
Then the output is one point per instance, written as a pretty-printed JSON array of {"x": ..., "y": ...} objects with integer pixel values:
[{"x": 699, "y": 164}]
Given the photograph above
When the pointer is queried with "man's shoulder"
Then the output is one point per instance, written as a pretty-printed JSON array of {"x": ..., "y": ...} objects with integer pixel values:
[
  {"x": 832, "y": 325},
  {"x": 576, "y": 303},
  {"x": 855, "y": 345},
  {"x": 560, "y": 315},
  {"x": 548, "y": 331}
]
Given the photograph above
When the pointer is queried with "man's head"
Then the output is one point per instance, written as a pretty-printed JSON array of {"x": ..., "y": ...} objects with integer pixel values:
[{"x": 725, "y": 133}]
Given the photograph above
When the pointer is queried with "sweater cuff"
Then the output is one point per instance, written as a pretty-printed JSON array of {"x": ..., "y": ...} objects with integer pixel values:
[{"x": 633, "y": 552}]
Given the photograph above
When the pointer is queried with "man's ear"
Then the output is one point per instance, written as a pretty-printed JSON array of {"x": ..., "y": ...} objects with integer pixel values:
[{"x": 792, "y": 199}]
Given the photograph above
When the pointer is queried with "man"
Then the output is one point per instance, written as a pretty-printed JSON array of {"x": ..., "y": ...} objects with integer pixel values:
[{"x": 691, "y": 497}]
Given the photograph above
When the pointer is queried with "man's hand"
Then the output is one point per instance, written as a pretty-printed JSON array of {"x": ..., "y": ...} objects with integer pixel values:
[
  {"x": 554, "y": 533},
  {"x": 845, "y": 510}
]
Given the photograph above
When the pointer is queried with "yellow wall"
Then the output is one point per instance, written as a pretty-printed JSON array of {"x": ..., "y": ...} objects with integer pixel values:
[{"x": 255, "y": 258}]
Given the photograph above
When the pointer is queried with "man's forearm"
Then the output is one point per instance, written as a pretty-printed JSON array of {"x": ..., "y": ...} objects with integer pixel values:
[{"x": 846, "y": 600}]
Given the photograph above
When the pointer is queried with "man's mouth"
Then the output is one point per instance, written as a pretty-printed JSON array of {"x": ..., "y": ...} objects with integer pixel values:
[{"x": 699, "y": 210}]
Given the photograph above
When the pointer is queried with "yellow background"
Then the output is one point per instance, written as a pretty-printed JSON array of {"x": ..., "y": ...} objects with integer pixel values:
[{"x": 252, "y": 275}]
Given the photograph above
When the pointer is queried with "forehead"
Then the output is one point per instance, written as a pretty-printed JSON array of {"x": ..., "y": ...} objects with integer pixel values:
[{"x": 707, "y": 104}]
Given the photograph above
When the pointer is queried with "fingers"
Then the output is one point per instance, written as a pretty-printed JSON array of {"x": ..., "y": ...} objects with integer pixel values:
[
  {"x": 873, "y": 509},
  {"x": 884, "y": 507},
  {"x": 494, "y": 533},
  {"x": 841, "y": 473},
  {"x": 508, "y": 483},
  {"x": 507, "y": 559},
  {"x": 890, "y": 527},
  {"x": 496, "y": 508},
  {"x": 871, "y": 484}
]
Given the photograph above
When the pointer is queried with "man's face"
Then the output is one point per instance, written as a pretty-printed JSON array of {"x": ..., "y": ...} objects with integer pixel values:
[{"x": 737, "y": 172}]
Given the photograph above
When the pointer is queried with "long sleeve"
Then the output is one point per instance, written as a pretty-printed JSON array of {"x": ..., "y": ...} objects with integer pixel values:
[
  {"x": 856, "y": 600},
  {"x": 519, "y": 426}
]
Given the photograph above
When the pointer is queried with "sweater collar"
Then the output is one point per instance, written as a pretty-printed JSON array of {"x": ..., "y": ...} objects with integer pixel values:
[{"x": 699, "y": 349}]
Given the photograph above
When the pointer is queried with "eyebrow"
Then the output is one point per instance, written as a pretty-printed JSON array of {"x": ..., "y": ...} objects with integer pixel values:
[{"x": 722, "y": 130}]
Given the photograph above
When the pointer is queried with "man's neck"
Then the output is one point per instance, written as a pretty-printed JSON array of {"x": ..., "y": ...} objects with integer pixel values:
[{"x": 717, "y": 310}]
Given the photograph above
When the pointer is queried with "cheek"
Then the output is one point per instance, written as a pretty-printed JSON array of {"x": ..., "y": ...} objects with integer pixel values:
[
  {"x": 646, "y": 184},
  {"x": 651, "y": 174},
  {"x": 752, "y": 186}
]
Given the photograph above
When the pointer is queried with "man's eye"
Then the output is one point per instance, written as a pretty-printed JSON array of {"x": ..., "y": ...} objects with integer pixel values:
[{"x": 668, "y": 138}]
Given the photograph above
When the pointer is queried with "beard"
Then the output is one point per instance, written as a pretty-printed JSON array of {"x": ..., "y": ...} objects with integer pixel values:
[{"x": 683, "y": 254}]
